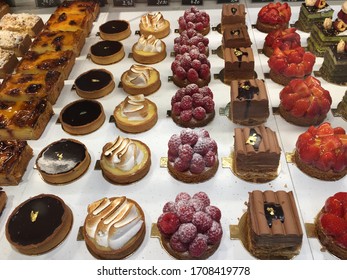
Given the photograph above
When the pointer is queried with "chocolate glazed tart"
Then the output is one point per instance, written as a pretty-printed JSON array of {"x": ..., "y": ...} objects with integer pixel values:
[
  {"x": 63, "y": 161},
  {"x": 115, "y": 30},
  {"x": 39, "y": 224},
  {"x": 82, "y": 117},
  {"x": 107, "y": 52}
]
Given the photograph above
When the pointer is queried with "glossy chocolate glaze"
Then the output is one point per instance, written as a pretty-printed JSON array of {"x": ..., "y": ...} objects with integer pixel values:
[
  {"x": 93, "y": 80},
  {"x": 25, "y": 229},
  {"x": 106, "y": 48},
  {"x": 114, "y": 26},
  {"x": 61, "y": 156},
  {"x": 81, "y": 112}
]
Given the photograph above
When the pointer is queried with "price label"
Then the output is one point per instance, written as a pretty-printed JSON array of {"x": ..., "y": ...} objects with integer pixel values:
[
  {"x": 158, "y": 2},
  {"x": 47, "y": 3},
  {"x": 227, "y": 1},
  {"x": 192, "y": 2},
  {"x": 123, "y": 3}
]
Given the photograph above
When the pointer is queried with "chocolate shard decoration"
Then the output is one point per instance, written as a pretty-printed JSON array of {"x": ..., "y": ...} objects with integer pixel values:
[{"x": 273, "y": 211}]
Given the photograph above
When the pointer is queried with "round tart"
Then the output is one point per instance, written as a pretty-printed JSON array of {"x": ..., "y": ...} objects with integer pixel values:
[
  {"x": 331, "y": 225},
  {"x": 94, "y": 83},
  {"x": 63, "y": 161},
  {"x": 39, "y": 224},
  {"x": 114, "y": 227},
  {"x": 273, "y": 16},
  {"x": 321, "y": 152},
  {"x": 107, "y": 52},
  {"x": 140, "y": 79},
  {"x": 193, "y": 18},
  {"x": 135, "y": 114},
  {"x": 125, "y": 160},
  {"x": 192, "y": 156},
  {"x": 154, "y": 24},
  {"x": 115, "y": 30},
  {"x": 149, "y": 50},
  {"x": 190, "y": 227},
  {"x": 82, "y": 116}
]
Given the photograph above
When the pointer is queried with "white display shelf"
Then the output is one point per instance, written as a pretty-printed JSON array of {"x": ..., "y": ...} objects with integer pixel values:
[{"x": 225, "y": 190}]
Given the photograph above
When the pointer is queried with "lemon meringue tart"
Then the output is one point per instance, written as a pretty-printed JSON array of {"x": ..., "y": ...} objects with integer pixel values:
[
  {"x": 155, "y": 24},
  {"x": 135, "y": 114},
  {"x": 125, "y": 160},
  {"x": 149, "y": 50},
  {"x": 140, "y": 79}
]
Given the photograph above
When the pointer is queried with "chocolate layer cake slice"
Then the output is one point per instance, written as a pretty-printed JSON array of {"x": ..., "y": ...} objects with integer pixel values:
[
  {"x": 233, "y": 14},
  {"x": 274, "y": 229},
  {"x": 249, "y": 103},
  {"x": 256, "y": 154},
  {"x": 334, "y": 66},
  {"x": 236, "y": 36}
]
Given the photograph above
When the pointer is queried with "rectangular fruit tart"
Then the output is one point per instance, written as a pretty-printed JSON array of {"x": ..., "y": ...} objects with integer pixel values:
[
  {"x": 80, "y": 7},
  {"x": 17, "y": 42},
  {"x": 24, "y": 23},
  {"x": 24, "y": 120}
]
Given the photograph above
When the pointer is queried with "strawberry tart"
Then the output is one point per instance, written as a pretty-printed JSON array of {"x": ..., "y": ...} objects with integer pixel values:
[
  {"x": 304, "y": 102},
  {"x": 192, "y": 106},
  {"x": 284, "y": 39},
  {"x": 192, "y": 156},
  {"x": 273, "y": 16},
  {"x": 190, "y": 227},
  {"x": 331, "y": 225},
  {"x": 290, "y": 64},
  {"x": 321, "y": 152},
  {"x": 195, "y": 19}
]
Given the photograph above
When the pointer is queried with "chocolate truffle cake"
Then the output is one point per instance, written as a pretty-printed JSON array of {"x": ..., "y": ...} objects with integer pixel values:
[
  {"x": 273, "y": 225},
  {"x": 236, "y": 36},
  {"x": 233, "y": 14},
  {"x": 249, "y": 103},
  {"x": 256, "y": 154}
]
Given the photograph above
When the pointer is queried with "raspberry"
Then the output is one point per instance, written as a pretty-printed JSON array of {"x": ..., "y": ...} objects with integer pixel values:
[
  {"x": 197, "y": 204},
  {"x": 169, "y": 207},
  {"x": 174, "y": 65},
  {"x": 203, "y": 197},
  {"x": 190, "y": 17},
  {"x": 181, "y": 73},
  {"x": 202, "y": 47},
  {"x": 208, "y": 104},
  {"x": 203, "y": 133},
  {"x": 174, "y": 143},
  {"x": 191, "y": 89},
  {"x": 177, "y": 40},
  {"x": 186, "y": 61},
  {"x": 186, "y": 102},
  {"x": 214, "y": 212},
  {"x": 215, "y": 233},
  {"x": 188, "y": 136},
  {"x": 197, "y": 164},
  {"x": 197, "y": 100},
  {"x": 210, "y": 159},
  {"x": 176, "y": 108},
  {"x": 204, "y": 72},
  {"x": 182, "y": 23},
  {"x": 196, "y": 64},
  {"x": 199, "y": 26},
  {"x": 206, "y": 41},
  {"x": 203, "y": 58},
  {"x": 171, "y": 157},
  {"x": 194, "y": 53},
  {"x": 201, "y": 147},
  {"x": 174, "y": 100},
  {"x": 168, "y": 223},
  {"x": 198, "y": 246},
  {"x": 195, "y": 41},
  {"x": 176, "y": 244},
  {"x": 186, "y": 115},
  {"x": 187, "y": 232},
  {"x": 181, "y": 165},
  {"x": 191, "y": 33},
  {"x": 192, "y": 75},
  {"x": 206, "y": 91},
  {"x": 190, "y": 25},
  {"x": 199, "y": 113},
  {"x": 184, "y": 49},
  {"x": 176, "y": 48},
  {"x": 202, "y": 221},
  {"x": 182, "y": 196},
  {"x": 185, "y": 152},
  {"x": 184, "y": 211},
  {"x": 212, "y": 145}
]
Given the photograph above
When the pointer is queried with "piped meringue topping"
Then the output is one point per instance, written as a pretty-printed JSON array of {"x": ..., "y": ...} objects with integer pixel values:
[
  {"x": 139, "y": 75},
  {"x": 135, "y": 107},
  {"x": 112, "y": 223},
  {"x": 153, "y": 21},
  {"x": 122, "y": 154},
  {"x": 150, "y": 44}
]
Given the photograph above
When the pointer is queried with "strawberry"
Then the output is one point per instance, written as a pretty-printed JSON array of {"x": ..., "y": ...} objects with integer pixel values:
[
  {"x": 339, "y": 130},
  {"x": 334, "y": 206},
  {"x": 289, "y": 100},
  {"x": 309, "y": 153},
  {"x": 300, "y": 107},
  {"x": 330, "y": 143},
  {"x": 342, "y": 240},
  {"x": 313, "y": 130},
  {"x": 294, "y": 58},
  {"x": 324, "y": 129},
  {"x": 300, "y": 86},
  {"x": 341, "y": 161},
  {"x": 303, "y": 139},
  {"x": 341, "y": 196},
  {"x": 312, "y": 81},
  {"x": 326, "y": 161},
  {"x": 343, "y": 139},
  {"x": 314, "y": 108},
  {"x": 290, "y": 71},
  {"x": 333, "y": 225}
]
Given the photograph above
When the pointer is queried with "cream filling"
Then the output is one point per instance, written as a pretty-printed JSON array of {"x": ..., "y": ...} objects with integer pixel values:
[{"x": 150, "y": 44}]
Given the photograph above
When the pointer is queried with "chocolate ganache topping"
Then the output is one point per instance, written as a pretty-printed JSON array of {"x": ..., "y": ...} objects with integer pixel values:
[
  {"x": 254, "y": 139},
  {"x": 273, "y": 211},
  {"x": 81, "y": 112},
  {"x": 93, "y": 80},
  {"x": 114, "y": 26},
  {"x": 36, "y": 220},
  {"x": 106, "y": 48}
]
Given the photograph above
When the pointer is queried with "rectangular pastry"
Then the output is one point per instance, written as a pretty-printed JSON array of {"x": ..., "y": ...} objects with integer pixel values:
[
  {"x": 48, "y": 41},
  {"x": 21, "y": 87},
  {"x": 17, "y": 42},
  {"x": 24, "y": 120},
  {"x": 79, "y": 7},
  {"x": 233, "y": 14},
  {"x": 274, "y": 229},
  {"x": 24, "y": 23},
  {"x": 236, "y": 36},
  {"x": 8, "y": 62},
  {"x": 334, "y": 65},
  {"x": 249, "y": 103},
  {"x": 34, "y": 62},
  {"x": 14, "y": 158}
]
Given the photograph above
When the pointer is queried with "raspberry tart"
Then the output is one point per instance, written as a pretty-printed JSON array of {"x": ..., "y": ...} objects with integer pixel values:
[
  {"x": 321, "y": 152},
  {"x": 192, "y": 106},
  {"x": 273, "y": 16},
  {"x": 284, "y": 39},
  {"x": 190, "y": 227},
  {"x": 195, "y": 19},
  {"x": 331, "y": 225},
  {"x": 192, "y": 156},
  {"x": 290, "y": 64},
  {"x": 191, "y": 68},
  {"x": 189, "y": 39},
  {"x": 304, "y": 102}
]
